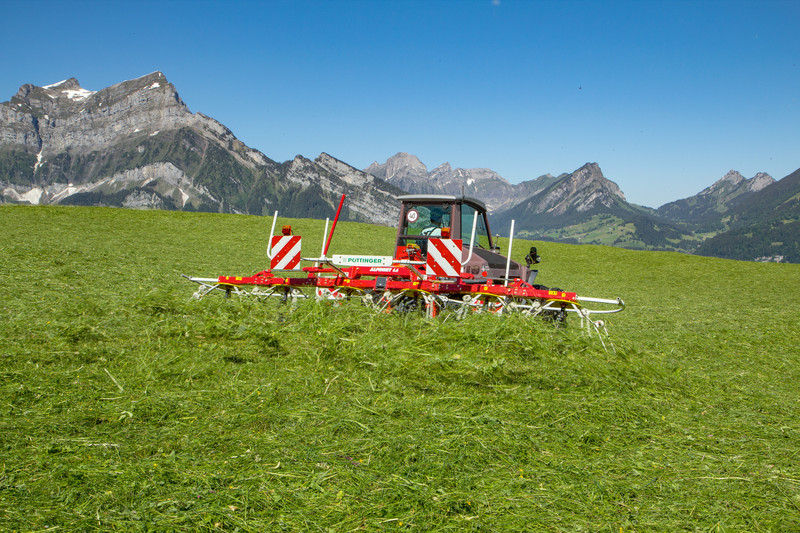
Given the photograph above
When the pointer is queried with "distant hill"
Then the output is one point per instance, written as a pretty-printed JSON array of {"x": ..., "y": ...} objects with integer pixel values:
[
  {"x": 710, "y": 206},
  {"x": 765, "y": 228},
  {"x": 407, "y": 172},
  {"x": 578, "y": 207},
  {"x": 586, "y": 207},
  {"x": 136, "y": 144},
  {"x": 751, "y": 219}
]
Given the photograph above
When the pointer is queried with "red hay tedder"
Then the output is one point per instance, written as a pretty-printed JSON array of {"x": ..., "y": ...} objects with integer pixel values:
[{"x": 445, "y": 261}]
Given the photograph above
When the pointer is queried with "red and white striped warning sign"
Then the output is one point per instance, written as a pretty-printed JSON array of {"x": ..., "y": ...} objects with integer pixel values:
[
  {"x": 285, "y": 252},
  {"x": 444, "y": 257}
]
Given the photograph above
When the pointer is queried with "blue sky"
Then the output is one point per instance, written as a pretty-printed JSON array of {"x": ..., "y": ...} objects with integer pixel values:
[{"x": 666, "y": 96}]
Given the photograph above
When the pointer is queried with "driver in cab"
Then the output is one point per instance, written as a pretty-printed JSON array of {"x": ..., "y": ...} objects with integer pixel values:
[{"x": 434, "y": 229}]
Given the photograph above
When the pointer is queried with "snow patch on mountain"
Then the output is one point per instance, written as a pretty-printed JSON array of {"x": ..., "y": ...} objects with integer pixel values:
[
  {"x": 32, "y": 196},
  {"x": 78, "y": 95},
  {"x": 54, "y": 85}
]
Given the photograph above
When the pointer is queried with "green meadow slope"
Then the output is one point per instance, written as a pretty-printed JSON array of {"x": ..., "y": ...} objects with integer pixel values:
[{"x": 127, "y": 406}]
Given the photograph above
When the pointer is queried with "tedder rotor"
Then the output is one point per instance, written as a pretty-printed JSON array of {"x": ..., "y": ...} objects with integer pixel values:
[{"x": 445, "y": 261}]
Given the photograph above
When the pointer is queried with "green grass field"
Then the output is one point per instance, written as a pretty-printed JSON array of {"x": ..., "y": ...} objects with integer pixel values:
[{"x": 127, "y": 406}]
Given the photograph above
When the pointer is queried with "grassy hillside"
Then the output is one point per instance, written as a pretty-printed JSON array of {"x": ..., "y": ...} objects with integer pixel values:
[
  {"x": 127, "y": 406},
  {"x": 639, "y": 232},
  {"x": 767, "y": 226}
]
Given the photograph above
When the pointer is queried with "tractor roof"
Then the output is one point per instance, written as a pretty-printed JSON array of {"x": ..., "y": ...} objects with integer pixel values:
[{"x": 443, "y": 198}]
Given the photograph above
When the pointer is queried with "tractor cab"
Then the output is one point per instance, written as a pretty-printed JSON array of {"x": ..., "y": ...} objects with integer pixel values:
[{"x": 423, "y": 217}]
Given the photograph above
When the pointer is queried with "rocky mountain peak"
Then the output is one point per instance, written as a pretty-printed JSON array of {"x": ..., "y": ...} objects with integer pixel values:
[
  {"x": 68, "y": 84},
  {"x": 401, "y": 164},
  {"x": 441, "y": 170},
  {"x": 589, "y": 176},
  {"x": 155, "y": 81},
  {"x": 352, "y": 176},
  {"x": 759, "y": 181},
  {"x": 403, "y": 158},
  {"x": 69, "y": 88},
  {"x": 733, "y": 177},
  {"x": 50, "y": 99},
  {"x": 52, "y": 90},
  {"x": 53, "y": 118},
  {"x": 733, "y": 183},
  {"x": 404, "y": 171},
  {"x": 728, "y": 191},
  {"x": 583, "y": 190},
  {"x": 726, "y": 183},
  {"x": 585, "y": 186}
]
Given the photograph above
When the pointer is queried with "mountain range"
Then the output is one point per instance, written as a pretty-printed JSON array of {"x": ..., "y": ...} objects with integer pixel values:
[
  {"x": 136, "y": 144},
  {"x": 585, "y": 207}
]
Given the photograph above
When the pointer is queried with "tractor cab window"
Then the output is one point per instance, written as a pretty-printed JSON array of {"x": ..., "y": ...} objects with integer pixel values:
[
  {"x": 420, "y": 222},
  {"x": 481, "y": 233},
  {"x": 426, "y": 219}
]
